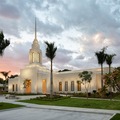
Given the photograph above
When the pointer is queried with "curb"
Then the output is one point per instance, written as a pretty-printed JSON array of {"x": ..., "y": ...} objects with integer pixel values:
[{"x": 71, "y": 110}]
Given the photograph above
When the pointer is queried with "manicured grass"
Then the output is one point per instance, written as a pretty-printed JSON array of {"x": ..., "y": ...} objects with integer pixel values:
[
  {"x": 8, "y": 105},
  {"x": 116, "y": 117},
  {"x": 83, "y": 103}
]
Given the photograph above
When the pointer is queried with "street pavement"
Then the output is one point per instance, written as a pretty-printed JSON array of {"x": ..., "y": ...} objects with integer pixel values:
[{"x": 46, "y": 112}]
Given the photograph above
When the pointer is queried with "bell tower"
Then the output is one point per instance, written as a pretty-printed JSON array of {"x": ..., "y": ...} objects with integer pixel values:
[{"x": 35, "y": 53}]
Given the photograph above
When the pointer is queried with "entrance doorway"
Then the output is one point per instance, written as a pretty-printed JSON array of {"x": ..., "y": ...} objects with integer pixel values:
[
  {"x": 28, "y": 86},
  {"x": 44, "y": 88}
]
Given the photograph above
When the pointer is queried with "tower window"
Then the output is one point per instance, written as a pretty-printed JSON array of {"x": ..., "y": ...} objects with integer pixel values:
[{"x": 35, "y": 57}]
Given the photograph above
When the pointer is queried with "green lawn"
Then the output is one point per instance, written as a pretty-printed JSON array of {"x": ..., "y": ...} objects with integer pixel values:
[
  {"x": 116, "y": 117},
  {"x": 8, "y": 105},
  {"x": 83, "y": 103}
]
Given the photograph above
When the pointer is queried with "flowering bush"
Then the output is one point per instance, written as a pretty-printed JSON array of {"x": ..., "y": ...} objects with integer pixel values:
[
  {"x": 113, "y": 79},
  {"x": 27, "y": 83}
]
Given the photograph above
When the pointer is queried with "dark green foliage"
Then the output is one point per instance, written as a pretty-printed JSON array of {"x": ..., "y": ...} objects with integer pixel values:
[
  {"x": 1, "y": 81},
  {"x": 113, "y": 79},
  {"x": 64, "y": 70},
  {"x": 8, "y": 105},
  {"x": 116, "y": 117},
  {"x": 94, "y": 91},
  {"x": 116, "y": 96},
  {"x": 51, "y": 53},
  {"x": 86, "y": 76},
  {"x": 13, "y": 76},
  {"x": 109, "y": 60},
  {"x": 5, "y": 74},
  {"x": 50, "y": 50},
  {"x": 101, "y": 57},
  {"x": 79, "y": 95},
  {"x": 54, "y": 98},
  {"x": 3, "y": 43}
]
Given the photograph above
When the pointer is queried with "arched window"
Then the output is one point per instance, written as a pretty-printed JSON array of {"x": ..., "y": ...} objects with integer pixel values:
[
  {"x": 72, "y": 85},
  {"x": 66, "y": 85}
]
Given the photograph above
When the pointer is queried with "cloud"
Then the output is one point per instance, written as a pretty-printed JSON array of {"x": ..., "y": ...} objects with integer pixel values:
[
  {"x": 63, "y": 56},
  {"x": 9, "y": 11},
  {"x": 80, "y": 57},
  {"x": 14, "y": 58},
  {"x": 79, "y": 28}
]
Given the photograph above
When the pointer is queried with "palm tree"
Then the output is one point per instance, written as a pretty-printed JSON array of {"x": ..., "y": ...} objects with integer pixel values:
[
  {"x": 50, "y": 53},
  {"x": 101, "y": 57},
  {"x": 5, "y": 74},
  {"x": 109, "y": 59},
  {"x": 3, "y": 43}
]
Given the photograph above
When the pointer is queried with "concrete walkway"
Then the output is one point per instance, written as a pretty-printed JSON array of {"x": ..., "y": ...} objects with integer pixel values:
[{"x": 45, "y": 112}]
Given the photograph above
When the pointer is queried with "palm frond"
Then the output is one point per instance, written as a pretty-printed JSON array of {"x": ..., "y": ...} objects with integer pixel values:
[{"x": 50, "y": 50}]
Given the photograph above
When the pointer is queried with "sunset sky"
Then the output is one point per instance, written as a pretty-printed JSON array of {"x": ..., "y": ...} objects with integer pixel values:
[{"x": 79, "y": 28}]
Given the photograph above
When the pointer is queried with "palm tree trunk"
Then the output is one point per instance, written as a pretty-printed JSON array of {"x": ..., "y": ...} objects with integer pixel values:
[
  {"x": 101, "y": 75},
  {"x": 110, "y": 89},
  {"x": 109, "y": 69},
  {"x": 51, "y": 81},
  {"x": 110, "y": 80}
]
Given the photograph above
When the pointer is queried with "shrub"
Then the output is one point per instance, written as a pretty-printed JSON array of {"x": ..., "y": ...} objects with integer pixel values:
[{"x": 54, "y": 98}]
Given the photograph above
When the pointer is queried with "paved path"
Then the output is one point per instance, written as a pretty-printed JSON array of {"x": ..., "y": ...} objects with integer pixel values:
[{"x": 45, "y": 112}]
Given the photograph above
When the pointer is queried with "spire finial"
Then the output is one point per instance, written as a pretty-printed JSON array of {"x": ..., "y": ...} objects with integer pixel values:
[{"x": 35, "y": 30}]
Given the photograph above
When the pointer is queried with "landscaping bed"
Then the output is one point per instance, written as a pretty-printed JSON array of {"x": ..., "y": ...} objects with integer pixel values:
[
  {"x": 98, "y": 95},
  {"x": 54, "y": 98}
]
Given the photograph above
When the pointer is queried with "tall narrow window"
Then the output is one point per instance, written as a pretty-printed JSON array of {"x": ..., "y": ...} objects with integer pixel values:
[
  {"x": 78, "y": 86},
  {"x": 66, "y": 86},
  {"x": 13, "y": 87},
  {"x": 60, "y": 86},
  {"x": 16, "y": 87},
  {"x": 72, "y": 86},
  {"x": 36, "y": 57}
]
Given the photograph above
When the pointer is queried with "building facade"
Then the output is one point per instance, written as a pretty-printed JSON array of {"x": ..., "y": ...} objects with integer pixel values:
[{"x": 35, "y": 78}]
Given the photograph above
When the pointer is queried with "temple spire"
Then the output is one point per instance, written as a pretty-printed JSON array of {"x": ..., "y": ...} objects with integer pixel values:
[
  {"x": 35, "y": 44},
  {"x": 35, "y": 53},
  {"x": 35, "y": 29}
]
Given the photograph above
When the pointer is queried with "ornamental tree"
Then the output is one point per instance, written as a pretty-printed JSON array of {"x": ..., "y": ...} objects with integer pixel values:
[{"x": 86, "y": 77}]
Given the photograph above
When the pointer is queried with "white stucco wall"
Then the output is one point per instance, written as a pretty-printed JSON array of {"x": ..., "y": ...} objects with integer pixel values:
[
  {"x": 36, "y": 76},
  {"x": 14, "y": 81},
  {"x": 69, "y": 77}
]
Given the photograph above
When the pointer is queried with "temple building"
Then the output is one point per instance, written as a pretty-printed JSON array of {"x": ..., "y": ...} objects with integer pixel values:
[{"x": 35, "y": 78}]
